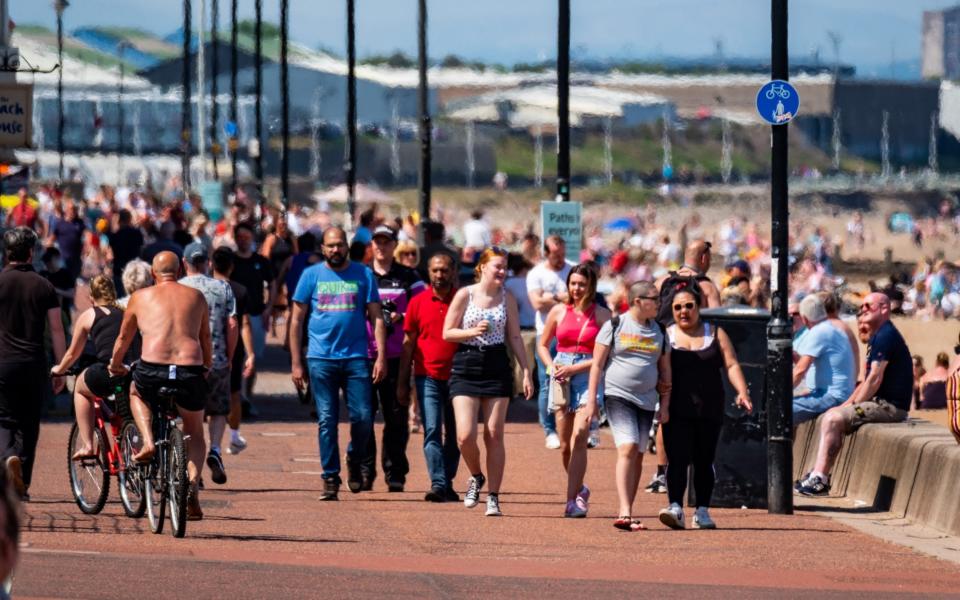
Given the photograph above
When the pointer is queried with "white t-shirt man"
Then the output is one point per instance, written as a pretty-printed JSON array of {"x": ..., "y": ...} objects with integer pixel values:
[
  {"x": 543, "y": 278},
  {"x": 476, "y": 234}
]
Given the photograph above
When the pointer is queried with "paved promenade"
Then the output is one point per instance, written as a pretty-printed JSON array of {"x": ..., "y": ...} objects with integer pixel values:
[{"x": 266, "y": 535}]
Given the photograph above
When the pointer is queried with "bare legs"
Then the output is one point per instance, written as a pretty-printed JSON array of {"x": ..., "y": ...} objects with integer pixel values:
[
  {"x": 629, "y": 471},
  {"x": 196, "y": 445},
  {"x": 573, "y": 430},
  {"x": 832, "y": 429},
  {"x": 494, "y": 414},
  {"x": 142, "y": 417},
  {"x": 86, "y": 418}
]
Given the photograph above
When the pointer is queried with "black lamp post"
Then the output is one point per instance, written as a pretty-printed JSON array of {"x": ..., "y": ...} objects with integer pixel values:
[
  {"x": 258, "y": 91},
  {"x": 185, "y": 133},
  {"x": 425, "y": 125},
  {"x": 351, "y": 166},
  {"x": 59, "y": 6},
  {"x": 284, "y": 105},
  {"x": 563, "y": 102},
  {"x": 232, "y": 142},
  {"x": 214, "y": 87}
]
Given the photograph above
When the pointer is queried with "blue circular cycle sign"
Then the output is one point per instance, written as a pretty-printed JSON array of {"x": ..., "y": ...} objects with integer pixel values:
[{"x": 778, "y": 102}]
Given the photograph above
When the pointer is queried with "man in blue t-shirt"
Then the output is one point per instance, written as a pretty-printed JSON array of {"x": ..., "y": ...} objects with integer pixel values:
[
  {"x": 825, "y": 368},
  {"x": 883, "y": 396},
  {"x": 336, "y": 298}
]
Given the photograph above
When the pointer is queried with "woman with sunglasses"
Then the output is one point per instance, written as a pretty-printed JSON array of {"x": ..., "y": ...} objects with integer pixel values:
[
  {"x": 483, "y": 319},
  {"x": 699, "y": 352},
  {"x": 575, "y": 324},
  {"x": 632, "y": 349}
]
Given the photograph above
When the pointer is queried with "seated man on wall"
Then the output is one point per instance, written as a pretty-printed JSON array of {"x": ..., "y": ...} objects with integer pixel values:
[
  {"x": 883, "y": 396},
  {"x": 825, "y": 367}
]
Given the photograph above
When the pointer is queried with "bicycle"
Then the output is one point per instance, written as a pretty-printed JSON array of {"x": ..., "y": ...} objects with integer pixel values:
[
  {"x": 165, "y": 476},
  {"x": 113, "y": 452},
  {"x": 777, "y": 90}
]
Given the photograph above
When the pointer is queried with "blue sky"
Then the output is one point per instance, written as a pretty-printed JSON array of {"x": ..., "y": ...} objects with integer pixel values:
[{"x": 523, "y": 30}]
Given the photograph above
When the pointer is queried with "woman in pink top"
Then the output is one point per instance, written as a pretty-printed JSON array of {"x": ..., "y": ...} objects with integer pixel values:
[{"x": 575, "y": 324}]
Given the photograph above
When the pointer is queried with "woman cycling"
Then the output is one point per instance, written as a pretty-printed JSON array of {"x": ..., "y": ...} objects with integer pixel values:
[
  {"x": 699, "y": 353},
  {"x": 575, "y": 324},
  {"x": 101, "y": 322},
  {"x": 483, "y": 319}
]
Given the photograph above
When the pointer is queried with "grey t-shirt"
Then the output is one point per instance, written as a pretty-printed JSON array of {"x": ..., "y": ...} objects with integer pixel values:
[
  {"x": 632, "y": 368},
  {"x": 222, "y": 305}
]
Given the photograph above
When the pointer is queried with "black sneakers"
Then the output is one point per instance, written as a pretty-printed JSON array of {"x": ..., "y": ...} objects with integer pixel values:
[
  {"x": 217, "y": 472},
  {"x": 394, "y": 486},
  {"x": 436, "y": 495},
  {"x": 814, "y": 485},
  {"x": 472, "y": 497},
  {"x": 331, "y": 487},
  {"x": 450, "y": 495}
]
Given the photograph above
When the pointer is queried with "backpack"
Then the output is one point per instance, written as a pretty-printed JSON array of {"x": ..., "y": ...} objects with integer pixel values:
[{"x": 673, "y": 281}]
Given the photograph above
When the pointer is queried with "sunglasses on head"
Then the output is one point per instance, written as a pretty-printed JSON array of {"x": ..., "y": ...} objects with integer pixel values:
[{"x": 686, "y": 305}]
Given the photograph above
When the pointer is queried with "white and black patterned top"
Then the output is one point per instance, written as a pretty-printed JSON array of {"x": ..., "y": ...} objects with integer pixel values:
[
  {"x": 496, "y": 316},
  {"x": 222, "y": 305}
]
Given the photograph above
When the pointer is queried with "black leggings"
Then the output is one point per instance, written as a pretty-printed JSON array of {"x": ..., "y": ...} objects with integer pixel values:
[{"x": 690, "y": 441}]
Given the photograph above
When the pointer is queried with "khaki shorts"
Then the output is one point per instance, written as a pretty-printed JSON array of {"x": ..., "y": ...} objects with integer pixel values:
[
  {"x": 218, "y": 391},
  {"x": 871, "y": 411}
]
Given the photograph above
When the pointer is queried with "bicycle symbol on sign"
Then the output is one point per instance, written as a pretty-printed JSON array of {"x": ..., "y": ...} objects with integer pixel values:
[{"x": 777, "y": 89}]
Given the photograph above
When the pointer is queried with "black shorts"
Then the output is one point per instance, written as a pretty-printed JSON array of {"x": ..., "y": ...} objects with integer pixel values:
[
  {"x": 189, "y": 381},
  {"x": 98, "y": 380},
  {"x": 236, "y": 370}
]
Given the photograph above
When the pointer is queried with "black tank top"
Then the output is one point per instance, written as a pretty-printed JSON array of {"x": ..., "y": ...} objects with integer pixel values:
[
  {"x": 698, "y": 391},
  {"x": 105, "y": 331}
]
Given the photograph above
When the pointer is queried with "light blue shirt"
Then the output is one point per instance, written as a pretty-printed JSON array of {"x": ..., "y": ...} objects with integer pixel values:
[{"x": 832, "y": 370}]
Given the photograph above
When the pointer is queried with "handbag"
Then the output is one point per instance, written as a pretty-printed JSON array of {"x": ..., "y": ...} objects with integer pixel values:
[{"x": 560, "y": 391}]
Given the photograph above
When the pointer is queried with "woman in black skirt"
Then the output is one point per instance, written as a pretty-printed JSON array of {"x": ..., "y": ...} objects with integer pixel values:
[{"x": 483, "y": 320}]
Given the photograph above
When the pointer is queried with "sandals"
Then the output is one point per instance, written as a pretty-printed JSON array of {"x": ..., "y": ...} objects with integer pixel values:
[{"x": 628, "y": 524}]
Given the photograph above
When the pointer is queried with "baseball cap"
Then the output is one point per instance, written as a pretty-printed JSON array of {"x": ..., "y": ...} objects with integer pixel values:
[
  {"x": 195, "y": 252},
  {"x": 384, "y": 230}
]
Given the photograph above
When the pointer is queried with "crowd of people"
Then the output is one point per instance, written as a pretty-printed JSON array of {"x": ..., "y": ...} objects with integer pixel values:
[{"x": 439, "y": 335}]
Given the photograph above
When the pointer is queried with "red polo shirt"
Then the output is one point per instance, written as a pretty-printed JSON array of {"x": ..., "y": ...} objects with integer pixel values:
[
  {"x": 433, "y": 356},
  {"x": 23, "y": 215}
]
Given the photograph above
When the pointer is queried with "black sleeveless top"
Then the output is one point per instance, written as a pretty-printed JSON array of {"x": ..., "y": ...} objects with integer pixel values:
[
  {"x": 105, "y": 331},
  {"x": 698, "y": 391}
]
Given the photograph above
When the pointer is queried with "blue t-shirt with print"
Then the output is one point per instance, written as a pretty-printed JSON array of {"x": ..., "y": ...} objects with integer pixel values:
[
  {"x": 832, "y": 370},
  {"x": 337, "y": 303},
  {"x": 897, "y": 385}
]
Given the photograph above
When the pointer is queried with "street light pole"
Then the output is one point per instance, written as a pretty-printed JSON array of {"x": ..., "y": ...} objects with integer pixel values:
[
  {"x": 59, "y": 6},
  {"x": 779, "y": 331},
  {"x": 258, "y": 92},
  {"x": 351, "y": 166},
  {"x": 214, "y": 86},
  {"x": 232, "y": 142},
  {"x": 284, "y": 106},
  {"x": 185, "y": 132},
  {"x": 563, "y": 102},
  {"x": 425, "y": 124}
]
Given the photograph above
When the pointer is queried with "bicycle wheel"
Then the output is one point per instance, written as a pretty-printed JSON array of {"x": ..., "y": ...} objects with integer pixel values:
[
  {"x": 131, "y": 481},
  {"x": 89, "y": 477},
  {"x": 177, "y": 483},
  {"x": 153, "y": 492}
]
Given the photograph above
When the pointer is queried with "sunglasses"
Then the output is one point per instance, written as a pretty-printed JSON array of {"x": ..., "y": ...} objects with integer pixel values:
[
  {"x": 649, "y": 297},
  {"x": 686, "y": 305},
  {"x": 868, "y": 307},
  {"x": 408, "y": 253}
]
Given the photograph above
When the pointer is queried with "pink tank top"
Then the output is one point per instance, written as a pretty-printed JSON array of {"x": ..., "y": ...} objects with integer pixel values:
[{"x": 576, "y": 333}]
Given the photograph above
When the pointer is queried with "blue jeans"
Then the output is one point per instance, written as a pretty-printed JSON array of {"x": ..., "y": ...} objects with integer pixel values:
[
  {"x": 547, "y": 420},
  {"x": 327, "y": 378},
  {"x": 812, "y": 405},
  {"x": 439, "y": 431}
]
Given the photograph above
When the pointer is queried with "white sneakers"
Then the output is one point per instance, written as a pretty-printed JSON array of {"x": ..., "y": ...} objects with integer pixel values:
[
  {"x": 672, "y": 517},
  {"x": 493, "y": 506},
  {"x": 553, "y": 441},
  {"x": 702, "y": 520}
]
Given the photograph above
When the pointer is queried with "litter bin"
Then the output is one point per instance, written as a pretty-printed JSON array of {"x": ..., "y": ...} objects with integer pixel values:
[{"x": 741, "y": 461}]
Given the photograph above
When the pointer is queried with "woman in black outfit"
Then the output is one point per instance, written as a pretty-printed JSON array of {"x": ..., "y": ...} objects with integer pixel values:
[
  {"x": 692, "y": 420},
  {"x": 100, "y": 323}
]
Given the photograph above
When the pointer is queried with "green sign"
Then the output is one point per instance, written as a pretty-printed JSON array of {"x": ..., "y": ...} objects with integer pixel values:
[
  {"x": 563, "y": 219},
  {"x": 211, "y": 194}
]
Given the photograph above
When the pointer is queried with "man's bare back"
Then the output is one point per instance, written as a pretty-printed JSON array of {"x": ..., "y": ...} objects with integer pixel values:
[{"x": 171, "y": 318}]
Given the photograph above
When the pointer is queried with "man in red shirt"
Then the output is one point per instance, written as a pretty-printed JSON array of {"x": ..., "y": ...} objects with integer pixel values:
[
  {"x": 432, "y": 359},
  {"x": 22, "y": 215}
]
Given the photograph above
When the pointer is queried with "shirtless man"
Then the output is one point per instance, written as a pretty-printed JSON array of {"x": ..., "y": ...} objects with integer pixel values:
[{"x": 173, "y": 320}]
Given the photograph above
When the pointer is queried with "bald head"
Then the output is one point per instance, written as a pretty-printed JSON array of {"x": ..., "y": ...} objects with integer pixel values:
[
  {"x": 697, "y": 255},
  {"x": 874, "y": 311},
  {"x": 165, "y": 264}
]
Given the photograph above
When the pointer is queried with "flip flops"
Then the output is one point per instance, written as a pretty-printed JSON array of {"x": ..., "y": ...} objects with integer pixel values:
[{"x": 628, "y": 524}]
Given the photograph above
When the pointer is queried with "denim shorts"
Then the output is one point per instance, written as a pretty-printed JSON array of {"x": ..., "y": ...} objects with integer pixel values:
[{"x": 579, "y": 383}]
